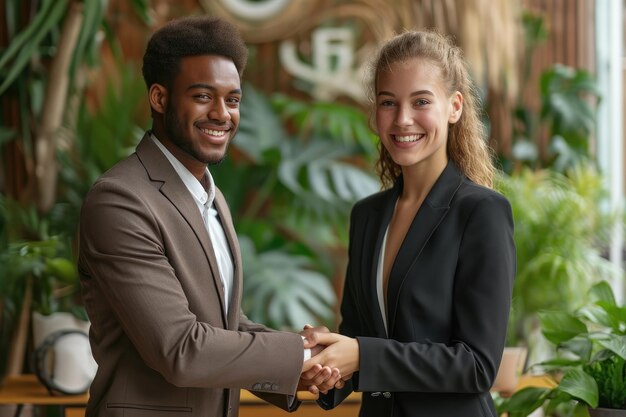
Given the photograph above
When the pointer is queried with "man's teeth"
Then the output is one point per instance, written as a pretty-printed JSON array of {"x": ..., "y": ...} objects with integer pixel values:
[
  {"x": 410, "y": 138},
  {"x": 214, "y": 132}
]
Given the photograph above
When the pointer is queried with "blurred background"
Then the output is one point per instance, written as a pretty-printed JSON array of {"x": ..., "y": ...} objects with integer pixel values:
[{"x": 72, "y": 103}]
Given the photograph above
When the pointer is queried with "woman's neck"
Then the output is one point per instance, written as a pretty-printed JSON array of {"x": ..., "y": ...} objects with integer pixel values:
[{"x": 419, "y": 180}]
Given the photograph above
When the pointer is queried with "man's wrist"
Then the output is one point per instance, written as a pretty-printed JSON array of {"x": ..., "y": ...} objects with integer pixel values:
[{"x": 307, "y": 351}]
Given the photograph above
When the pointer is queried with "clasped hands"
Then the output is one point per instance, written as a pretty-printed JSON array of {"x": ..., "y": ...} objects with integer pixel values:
[{"x": 334, "y": 358}]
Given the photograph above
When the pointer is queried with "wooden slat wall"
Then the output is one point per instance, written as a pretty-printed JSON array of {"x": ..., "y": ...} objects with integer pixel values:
[{"x": 571, "y": 40}]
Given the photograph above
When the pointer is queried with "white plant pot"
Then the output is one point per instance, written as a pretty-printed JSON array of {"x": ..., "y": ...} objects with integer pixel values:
[{"x": 73, "y": 367}]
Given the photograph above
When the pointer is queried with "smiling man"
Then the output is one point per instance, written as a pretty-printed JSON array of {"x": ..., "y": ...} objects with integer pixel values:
[{"x": 159, "y": 261}]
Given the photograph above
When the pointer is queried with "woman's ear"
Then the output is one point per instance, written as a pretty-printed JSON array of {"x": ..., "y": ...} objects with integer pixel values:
[
  {"x": 157, "y": 94},
  {"x": 456, "y": 107}
]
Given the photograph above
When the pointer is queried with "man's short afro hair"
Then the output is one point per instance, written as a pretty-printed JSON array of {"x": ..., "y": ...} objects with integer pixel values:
[{"x": 190, "y": 36}]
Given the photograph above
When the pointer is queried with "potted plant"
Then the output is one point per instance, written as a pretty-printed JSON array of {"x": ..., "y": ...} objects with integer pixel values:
[
  {"x": 589, "y": 370},
  {"x": 543, "y": 201},
  {"x": 39, "y": 282}
]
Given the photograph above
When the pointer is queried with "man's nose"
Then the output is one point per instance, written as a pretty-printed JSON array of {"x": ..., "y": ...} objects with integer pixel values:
[{"x": 219, "y": 111}]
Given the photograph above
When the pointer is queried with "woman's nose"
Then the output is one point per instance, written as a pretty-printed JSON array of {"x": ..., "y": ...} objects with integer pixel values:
[{"x": 403, "y": 116}]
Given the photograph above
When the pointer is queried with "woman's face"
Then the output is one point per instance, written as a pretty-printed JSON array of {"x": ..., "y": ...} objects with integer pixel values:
[{"x": 413, "y": 111}]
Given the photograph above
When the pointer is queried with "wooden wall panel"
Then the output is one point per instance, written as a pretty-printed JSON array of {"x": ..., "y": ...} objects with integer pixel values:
[{"x": 571, "y": 39}]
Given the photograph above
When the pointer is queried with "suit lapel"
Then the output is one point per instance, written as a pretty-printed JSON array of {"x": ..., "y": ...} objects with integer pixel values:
[
  {"x": 231, "y": 237},
  {"x": 375, "y": 228},
  {"x": 428, "y": 217},
  {"x": 172, "y": 187}
]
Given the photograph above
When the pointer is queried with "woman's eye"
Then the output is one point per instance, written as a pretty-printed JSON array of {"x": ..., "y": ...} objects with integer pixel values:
[
  {"x": 386, "y": 103},
  {"x": 421, "y": 102}
]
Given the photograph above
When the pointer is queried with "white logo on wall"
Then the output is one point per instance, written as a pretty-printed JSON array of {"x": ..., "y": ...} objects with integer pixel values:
[{"x": 332, "y": 70}]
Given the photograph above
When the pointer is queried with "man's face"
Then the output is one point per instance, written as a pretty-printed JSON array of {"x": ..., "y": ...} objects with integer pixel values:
[{"x": 202, "y": 110}]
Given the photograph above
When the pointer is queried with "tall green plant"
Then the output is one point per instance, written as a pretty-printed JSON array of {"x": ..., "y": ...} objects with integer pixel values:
[
  {"x": 41, "y": 74},
  {"x": 40, "y": 71},
  {"x": 561, "y": 233}
]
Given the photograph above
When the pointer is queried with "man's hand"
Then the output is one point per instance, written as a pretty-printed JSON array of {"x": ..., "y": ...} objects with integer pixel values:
[
  {"x": 319, "y": 379},
  {"x": 311, "y": 339}
]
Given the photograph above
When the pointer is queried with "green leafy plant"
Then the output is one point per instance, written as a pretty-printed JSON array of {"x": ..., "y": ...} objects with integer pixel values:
[
  {"x": 284, "y": 289},
  {"x": 37, "y": 270},
  {"x": 42, "y": 72},
  {"x": 566, "y": 118},
  {"x": 102, "y": 137},
  {"x": 562, "y": 230},
  {"x": 33, "y": 255},
  {"x": 590, "y": 369}
]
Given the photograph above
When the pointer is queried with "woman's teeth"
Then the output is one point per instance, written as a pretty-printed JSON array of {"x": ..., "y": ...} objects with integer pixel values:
[{"x": 410, "y": 138}]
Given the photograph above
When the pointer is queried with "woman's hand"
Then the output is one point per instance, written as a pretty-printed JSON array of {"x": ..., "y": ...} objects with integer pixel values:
[{"x": 341, "y": 352}]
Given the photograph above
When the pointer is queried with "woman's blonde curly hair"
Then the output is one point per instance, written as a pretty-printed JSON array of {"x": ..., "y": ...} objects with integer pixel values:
[{"x": 467, "y": 144}]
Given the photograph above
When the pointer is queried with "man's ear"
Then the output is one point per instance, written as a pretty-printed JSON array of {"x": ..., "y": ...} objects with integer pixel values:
[
  {"x": 456, "y": 107},
  {"x": 158, "y": 98}
]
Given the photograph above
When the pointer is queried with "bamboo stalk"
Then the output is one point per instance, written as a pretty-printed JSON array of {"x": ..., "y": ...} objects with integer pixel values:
[
  {"x": 54, "y": 109},
  {"x": 20, "y": 335}
]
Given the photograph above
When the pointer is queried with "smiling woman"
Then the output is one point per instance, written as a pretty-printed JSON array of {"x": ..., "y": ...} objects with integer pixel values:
[
  {"x": 413, "y": 111},
  {"x": 431, "y": 258}
]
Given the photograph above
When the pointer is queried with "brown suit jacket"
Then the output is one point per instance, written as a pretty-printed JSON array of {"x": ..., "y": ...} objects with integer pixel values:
[{"x": 164, "y": 344}]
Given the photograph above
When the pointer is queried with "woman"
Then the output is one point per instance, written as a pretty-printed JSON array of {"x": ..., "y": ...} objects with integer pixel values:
[{"x": 431, "y": 258}]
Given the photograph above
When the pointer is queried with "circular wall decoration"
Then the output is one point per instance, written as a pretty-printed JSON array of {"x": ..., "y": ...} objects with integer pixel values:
[
  {"x": 255, "y": 10},
  {"x": 268, "y": 20}
]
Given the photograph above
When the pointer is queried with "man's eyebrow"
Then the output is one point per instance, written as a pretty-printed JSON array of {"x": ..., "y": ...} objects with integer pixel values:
[{"x": 210, "y": 87}]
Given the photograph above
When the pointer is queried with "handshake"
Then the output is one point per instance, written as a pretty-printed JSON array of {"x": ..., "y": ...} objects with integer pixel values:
[{"x": 334, "y": 358}]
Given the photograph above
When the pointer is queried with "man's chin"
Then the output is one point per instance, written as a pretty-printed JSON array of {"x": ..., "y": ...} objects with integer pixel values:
[{"x": 216, "y": 161}]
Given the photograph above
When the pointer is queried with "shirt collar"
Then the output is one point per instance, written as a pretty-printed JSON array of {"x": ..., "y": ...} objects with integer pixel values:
[{"x": 193, "y": 185}]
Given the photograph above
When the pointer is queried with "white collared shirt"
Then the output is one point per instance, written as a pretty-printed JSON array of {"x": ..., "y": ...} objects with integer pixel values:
[
  {"x": 380, "y": 292},
  {"x": 210, "y": 216}
]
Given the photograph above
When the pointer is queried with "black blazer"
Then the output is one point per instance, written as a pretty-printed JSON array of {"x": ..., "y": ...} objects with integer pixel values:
[{"x": 449, "y": 295}]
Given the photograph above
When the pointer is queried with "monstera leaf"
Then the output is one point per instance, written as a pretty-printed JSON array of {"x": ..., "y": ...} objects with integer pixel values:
[{"x": 282, "y": 290}]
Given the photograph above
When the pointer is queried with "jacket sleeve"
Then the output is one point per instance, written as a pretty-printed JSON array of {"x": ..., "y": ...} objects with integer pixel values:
[
  {"x": 123, "y": 256},
  {"x": 349, "y": 326},
  {"x": 482, "y": 290},
  {"x": 288, "y": 403}
]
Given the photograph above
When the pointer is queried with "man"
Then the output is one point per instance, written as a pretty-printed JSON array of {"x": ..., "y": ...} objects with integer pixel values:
[{"x": 159, "y": 261}]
